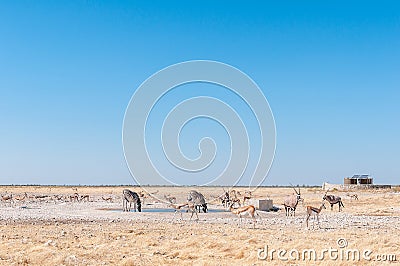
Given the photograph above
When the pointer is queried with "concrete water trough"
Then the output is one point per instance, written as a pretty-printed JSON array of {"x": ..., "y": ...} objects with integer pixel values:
[{"x": 262, "y": 204}]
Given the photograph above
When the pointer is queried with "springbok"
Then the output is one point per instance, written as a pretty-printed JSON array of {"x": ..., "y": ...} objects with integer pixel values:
[
  {"x": 74, "y": 197},
  {"x": 85, "y": 198},
  {"x": 107, "y": 199},
  {"x": 179, "y": 208},
  {"x": 170, "y": 199},
  {"x": 250, "y": 209},
  {"x": 41, "y": 197},
  {"x": 144, "y": 195},
  {"x": 21, "y": 198},
  {"x": 332, "y": 199},
  {"x": 129, "y": 197},
  {"x": 247, "y": 195},
  {"x": 7, "y": 197},
  {"x": 234, "y": 198},
  {"x": 291, "y": 202},
  {"x": 315, "y": 211},
  {"x": 58, "y": 197},
  {"x": 352, "y": 196}
]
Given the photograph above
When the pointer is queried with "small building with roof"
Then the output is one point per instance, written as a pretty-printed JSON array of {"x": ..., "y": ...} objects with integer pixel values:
[{"x": 359, "y": 180}]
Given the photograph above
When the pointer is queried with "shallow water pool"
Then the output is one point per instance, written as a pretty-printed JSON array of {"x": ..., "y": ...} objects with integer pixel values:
[{"x": 156, "y": 210}]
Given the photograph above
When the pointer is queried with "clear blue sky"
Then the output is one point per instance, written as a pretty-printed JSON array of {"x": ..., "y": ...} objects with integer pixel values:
[{"x": 329, "y": 69}]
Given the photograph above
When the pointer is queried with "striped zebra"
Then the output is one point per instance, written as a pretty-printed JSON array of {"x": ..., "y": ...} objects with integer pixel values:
[
  {"x": 197, "y": 199},
  {"x": 127, "y": 198}
]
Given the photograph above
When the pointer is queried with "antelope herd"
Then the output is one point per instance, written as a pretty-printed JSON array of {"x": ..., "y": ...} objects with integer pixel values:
[
  {"x": 43, "y": 198},
  {"x": 233, "y": 200}
]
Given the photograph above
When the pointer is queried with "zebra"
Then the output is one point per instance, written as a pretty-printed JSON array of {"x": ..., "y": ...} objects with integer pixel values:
[
  {"x": 197, "y": 199},
  {"x": 129, "y": 197}
]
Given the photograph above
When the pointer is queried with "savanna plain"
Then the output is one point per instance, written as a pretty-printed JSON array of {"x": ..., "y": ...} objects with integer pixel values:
[{"x": 59, "y": 225}]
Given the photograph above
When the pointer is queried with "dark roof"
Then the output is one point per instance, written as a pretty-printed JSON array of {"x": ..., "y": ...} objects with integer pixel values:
[{"x": 361, "y": 176}]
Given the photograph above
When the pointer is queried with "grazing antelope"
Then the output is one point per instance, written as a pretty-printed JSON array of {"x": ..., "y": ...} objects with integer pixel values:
[
  {"x": 234, "y": 198},
  {"x": 74, "y": 197},
  {"x": 247, "y": 195},
  {"x": 145, "y": 195},
  {"x": 58, "y": 197},
  {"x": 170, "y": 199},
  {"x": 129, "y": 197},
  {"x": 250, "y": 209},
  {"x": 85, "y": 198},
  {"x": 332, "y": 199},
  {"x": 291, "y": 203},
  {"x": 193, "y": 210},
  {"x": 41, "y": 196},
  {"x": 179, "y": 208},
  {"x": 31, "y": 197},
  {"x": 7, "y": 197},
  {"x": 197, "y": 199},
  {"x": 108, "y": 199},
  {"x": 315, "y": 211},
  {"x": 21, "y": 198},
  {"x": 353, "y": 196}
]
